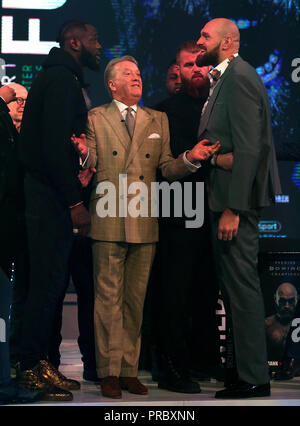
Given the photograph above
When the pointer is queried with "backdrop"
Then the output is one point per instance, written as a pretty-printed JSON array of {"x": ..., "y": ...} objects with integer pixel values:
[{"x": 151, "y": 30}]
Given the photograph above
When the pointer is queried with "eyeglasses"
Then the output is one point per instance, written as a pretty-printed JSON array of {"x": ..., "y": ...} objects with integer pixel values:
[{"x": 20, "y": 101}]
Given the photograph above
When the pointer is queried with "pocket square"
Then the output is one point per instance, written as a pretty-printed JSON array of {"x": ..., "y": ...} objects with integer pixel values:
[{"x": 154, "y": 136}]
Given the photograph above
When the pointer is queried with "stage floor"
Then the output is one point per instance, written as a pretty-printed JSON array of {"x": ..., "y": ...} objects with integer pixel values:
[{"x": 283, "y": 393}]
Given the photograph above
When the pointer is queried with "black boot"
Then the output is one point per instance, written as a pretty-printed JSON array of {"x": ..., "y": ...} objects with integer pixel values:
[
  {"x": 175, "y": 379},
  {"x": 13, "y": 394}
]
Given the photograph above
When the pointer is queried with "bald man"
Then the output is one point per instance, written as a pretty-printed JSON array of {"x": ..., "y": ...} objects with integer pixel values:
[
  {"x": 237, "y": 114},
  {"x": 278, "y": 325},
  {"x": 16, "y": 107}
]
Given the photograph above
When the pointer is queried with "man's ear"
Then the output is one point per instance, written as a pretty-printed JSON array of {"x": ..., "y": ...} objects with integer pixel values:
[
  {"x": 75, "y": 44},
  {"x": 226, "y": 43},
  {"x": 111, "y": 85}
]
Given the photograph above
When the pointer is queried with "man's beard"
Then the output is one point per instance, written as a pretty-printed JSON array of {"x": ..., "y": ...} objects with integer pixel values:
[
  {"x": 285, "y": 316},
  {"x": 88, "y": 60},
  {"x": 208, "y": 58},
  {"x": 196, "y": 87}
]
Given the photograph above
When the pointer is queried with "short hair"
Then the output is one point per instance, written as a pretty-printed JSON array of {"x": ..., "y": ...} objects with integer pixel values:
[
  {"x": 67, "y": 27},
  {"x": 110, "y": 68},
  {"x": 172, "y": 63},
  {"x": 190, "y": 46}
]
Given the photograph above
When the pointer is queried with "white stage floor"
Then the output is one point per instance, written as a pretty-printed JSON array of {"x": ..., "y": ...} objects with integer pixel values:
[{"x": 283, "y": 393}]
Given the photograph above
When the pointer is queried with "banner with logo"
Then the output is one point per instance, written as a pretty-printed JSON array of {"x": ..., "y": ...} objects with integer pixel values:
[{"x": 280, "y": 282}]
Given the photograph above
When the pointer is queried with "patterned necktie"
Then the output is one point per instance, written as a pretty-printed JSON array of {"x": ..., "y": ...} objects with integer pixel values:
[
  {"x": 215, "y": 74},
  {"x": 130, "y": 121}
]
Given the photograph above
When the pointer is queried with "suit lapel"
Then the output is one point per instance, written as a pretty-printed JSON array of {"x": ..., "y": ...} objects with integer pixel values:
[
  {"x": 115, "y": 119},
  {"x": 142, "y": 123},
  {"x": 205, "y": 118}
]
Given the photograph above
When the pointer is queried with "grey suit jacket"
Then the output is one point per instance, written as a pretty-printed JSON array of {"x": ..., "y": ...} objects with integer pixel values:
[
  {"x": 113, "y": 153},
  {"x": 238, "y": 115}
]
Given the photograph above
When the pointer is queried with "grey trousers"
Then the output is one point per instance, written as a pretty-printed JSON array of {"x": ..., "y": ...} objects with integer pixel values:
[{"x": 236, "y": 263}]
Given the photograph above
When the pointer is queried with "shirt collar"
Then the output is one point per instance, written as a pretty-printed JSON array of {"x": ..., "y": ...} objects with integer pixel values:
[
  {"x": 122, "y": 107},
  {"x": 221, "y": 67}
]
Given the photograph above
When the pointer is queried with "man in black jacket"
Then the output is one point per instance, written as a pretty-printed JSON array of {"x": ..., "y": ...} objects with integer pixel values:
[
  {"x": 11, "y": 213},
  {"x": 55, "y": 110}
]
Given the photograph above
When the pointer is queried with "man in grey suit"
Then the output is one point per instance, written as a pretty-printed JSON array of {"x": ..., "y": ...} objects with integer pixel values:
[{"x": 237, "y": 114}]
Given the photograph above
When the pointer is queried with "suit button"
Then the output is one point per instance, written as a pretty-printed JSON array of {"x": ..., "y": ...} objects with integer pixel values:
[
  {"x": 147, "y": 155},
  {"x": 141, "y": 177},
  {"x": 115, "y": 153}
]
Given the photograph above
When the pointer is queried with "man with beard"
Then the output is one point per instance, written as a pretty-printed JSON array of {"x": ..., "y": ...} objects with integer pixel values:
[
  {"x": 237, "y": 113},
  {"x": 187, "y": 298},
  {"x": 54, "y": 111}
]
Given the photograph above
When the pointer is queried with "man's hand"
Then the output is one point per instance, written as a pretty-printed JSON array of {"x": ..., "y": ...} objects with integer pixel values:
[
  {"x": 202, "y": 151},
  {"x": 228, "y": 225},
  {"x": 81, "y": 219},
  {"x": 225, "y": 161},
  {"x": 85, "y": 176},
  {"x": 81, "y": 145},
  {"x": 7, "y": 93}
]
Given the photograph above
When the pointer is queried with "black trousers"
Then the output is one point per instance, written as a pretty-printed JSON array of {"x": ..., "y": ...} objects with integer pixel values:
[
  {"x": 81, "y": 271},
  {"x": 186, "y": 297},
  {"x": 19, "y": 294},
  {"x": 5, "y": 302},
  {"x": 13, "y": 251},
  {"x": 50, "y": 237}
]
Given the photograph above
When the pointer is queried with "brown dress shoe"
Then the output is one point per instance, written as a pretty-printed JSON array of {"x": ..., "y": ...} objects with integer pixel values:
[
  {"x": 110, "y": 387},
  {"x": 133, "y": 385},
  {"x": 31, "y": 379},
  {"x": 54, "y": 377}
]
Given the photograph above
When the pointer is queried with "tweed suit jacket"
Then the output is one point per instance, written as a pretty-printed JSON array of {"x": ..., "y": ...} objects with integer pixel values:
[
  {"x": 112, "y": 152},
  {"x": 238, "y": 115}
]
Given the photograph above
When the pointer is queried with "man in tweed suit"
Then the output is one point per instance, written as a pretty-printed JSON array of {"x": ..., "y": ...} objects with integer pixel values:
[{"x": 123, "y": 248}]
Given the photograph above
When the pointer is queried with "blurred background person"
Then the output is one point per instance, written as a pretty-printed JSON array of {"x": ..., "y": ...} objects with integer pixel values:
[
  {"x": 10, "y": 207},
  {"x": 20, "y": 277},
  {"x": 183, "y": 283},
  {"x": 173, "y": 79},
  {"x": 16, "y": 107}
]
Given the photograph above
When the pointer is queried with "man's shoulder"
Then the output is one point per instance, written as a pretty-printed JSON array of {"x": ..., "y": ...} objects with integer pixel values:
[
  {"x": 101, "y": 109},
  {"x": 243, "y": 74},
  {"x": 154, "y": 113},
  {"x": 170, "y": 103},
  {"x": 243, "y": 69},
  {"x": 57, "y": 76}
]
